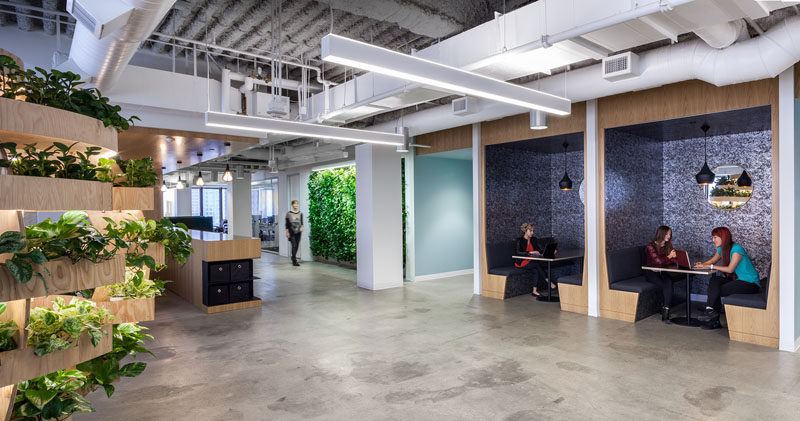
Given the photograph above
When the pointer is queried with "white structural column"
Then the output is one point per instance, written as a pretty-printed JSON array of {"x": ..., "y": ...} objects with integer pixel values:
[
  {"x": 304, "y": 251},
  {"x": 477, "y": 152},
  {"x": 379, "y": 233},
  {"x": 282, "y": 208},
  {"x": 240, "y": 207},
  {"x": 183, "y": 202},
  {"x": 787, "y": 197},
  {"x": 592, "y": 198},
  {"x": 409, "y": 194}
]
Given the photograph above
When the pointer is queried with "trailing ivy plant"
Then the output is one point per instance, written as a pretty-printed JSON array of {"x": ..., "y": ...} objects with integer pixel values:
[
  {"x": 21, "y": 263},
  {"x": 60, "y": 327},
  {"x": 7, "y": 331},
  {"x": 72, "y": 236},
  {"x": 174, "y": 237},
  {"x": 136, "y": 286},
  {"x": 136, "y": 173},
  {"x": 102, "y": 371},
  {"x": 61, "y": 90},
  {"x": 138, "y": 234},
  {"x": 52, "y": 397},
  {"x": 332, "y": 213}
]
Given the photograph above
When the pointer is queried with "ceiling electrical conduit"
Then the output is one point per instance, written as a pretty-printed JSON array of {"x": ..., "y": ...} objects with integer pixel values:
[
  {"x": 757, "y": 58},
  {"x": 105, "y": 58}
]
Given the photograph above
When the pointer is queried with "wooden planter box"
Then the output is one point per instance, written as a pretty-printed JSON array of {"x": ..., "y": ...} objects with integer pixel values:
[
  {"x": 133, "y": 198},
  {"x": 52, "y": 194},
  {"x": 64, "y": 277},
  {"x": 126, "y": 311},
  {"x": 158, "y": 252},
  {"x": 22, "y": 364},
  {"x": 23, "y": 123}
]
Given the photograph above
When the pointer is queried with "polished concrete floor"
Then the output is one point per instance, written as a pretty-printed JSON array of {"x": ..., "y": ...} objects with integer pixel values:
[{"x": 320, "y": 348}]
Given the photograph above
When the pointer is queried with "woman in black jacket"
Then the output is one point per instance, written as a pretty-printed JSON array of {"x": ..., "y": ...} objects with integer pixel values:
[{"x": 528, "y": 245}]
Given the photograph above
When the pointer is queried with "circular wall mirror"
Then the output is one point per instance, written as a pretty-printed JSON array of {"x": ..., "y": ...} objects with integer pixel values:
[
  {"x": 731, "y": 189},
  {"x": 582, "y": 192}
]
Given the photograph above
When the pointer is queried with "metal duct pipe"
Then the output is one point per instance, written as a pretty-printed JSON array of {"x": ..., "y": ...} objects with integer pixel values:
[
  {"x": 724, "y": 34},
  {"x": 104, "y": 59},
  {"x": 762, "y": 57}
]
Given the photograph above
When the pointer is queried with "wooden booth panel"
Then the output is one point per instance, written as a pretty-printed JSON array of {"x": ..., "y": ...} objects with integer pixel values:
[
  {"x": 517, "y": 127},
  {"x": 682, "y": 100},
  {"x": 52, "y": 194}
]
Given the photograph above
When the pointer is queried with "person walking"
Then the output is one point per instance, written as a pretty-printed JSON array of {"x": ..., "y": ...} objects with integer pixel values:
[{"x": 294, "y": 228}]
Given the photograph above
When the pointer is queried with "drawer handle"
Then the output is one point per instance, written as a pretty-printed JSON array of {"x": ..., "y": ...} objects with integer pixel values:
[
  {"x": 238, "y": 266},
  {"x": 239, "y": 288},
  {"x": 219, "y": 290},
  {"x": 219, "y": 269}
]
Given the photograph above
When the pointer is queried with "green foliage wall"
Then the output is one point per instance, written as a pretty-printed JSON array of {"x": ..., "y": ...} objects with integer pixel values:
[{"x": 332, "y": 213}]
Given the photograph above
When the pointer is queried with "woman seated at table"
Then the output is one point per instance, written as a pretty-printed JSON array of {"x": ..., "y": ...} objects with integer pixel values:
[
  {"x": 528, "y": 245},
  {"x": 738, "y": 275},
  {"x": 660, "y": 253}
]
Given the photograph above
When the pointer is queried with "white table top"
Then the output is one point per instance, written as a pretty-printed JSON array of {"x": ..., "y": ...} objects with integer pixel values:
[
  {"x": 677, "y": 270},
  {"x": 566, "y": 254}
]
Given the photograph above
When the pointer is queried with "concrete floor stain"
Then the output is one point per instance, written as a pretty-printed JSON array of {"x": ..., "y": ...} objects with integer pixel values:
[{"x": 711, "y": 400}]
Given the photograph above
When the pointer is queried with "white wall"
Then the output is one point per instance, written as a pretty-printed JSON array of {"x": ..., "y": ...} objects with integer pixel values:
[{"x": 239, "y": 207}]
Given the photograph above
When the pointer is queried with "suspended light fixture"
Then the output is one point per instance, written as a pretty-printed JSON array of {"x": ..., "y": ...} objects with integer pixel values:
[
  {"x": 406, "y": 141},
  {"x": 349, "y": 52},
  {"x": 181, "y": 185},
  {"x": 163, "y": 186},
  {"x": 744, "y": 180},
  {"x": 274, "y": 125},
  {"x": 199, "y": 180},
  {"x": 705, "y": 176},
  {"x": 565, "y": 183},
  {"x": 227, "y": 176},
  {"x": 538, "y": 120}
]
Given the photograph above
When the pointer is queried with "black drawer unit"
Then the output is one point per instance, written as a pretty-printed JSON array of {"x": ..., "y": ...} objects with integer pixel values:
[
  {"x": 241, "y": 270},
  {"x": 227, "y": 282},
  {"x": 217, "y": 294},
  {"x": 219, "y": 273},
  {"x": 239, "y": 292}
]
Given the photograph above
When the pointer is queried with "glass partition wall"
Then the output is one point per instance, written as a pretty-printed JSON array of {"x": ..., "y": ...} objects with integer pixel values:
[{"x": 264, "y": 198}]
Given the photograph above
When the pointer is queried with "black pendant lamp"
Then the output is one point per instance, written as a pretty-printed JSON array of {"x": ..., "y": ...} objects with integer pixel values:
[
  {"x": 744, "y": 180},
  {"x": 705, "y": 176},
  {"x": 565, "y": 183}
]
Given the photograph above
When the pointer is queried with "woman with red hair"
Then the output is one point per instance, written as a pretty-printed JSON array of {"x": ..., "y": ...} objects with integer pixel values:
[{"x": 739, "y": 276}]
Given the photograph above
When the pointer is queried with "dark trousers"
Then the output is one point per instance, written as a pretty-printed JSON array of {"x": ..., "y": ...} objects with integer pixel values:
[
  {"x": 539, "y": 274},
  {"x": 665, "y": 281},
  {"x": 720, "y": 286},
  {"x": 295, "y": 240}
]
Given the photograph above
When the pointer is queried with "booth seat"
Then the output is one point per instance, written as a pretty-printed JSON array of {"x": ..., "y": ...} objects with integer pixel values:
[
  {"x": 510, "y": 281},
  {"x": 574, "y": 296},
  {"x": 753, "y": 318},
  {"x": 625, "y": 273}
]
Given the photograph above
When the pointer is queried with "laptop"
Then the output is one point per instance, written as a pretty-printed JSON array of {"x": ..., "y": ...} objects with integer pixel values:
[
  {"x": 550, "y": 251},
  {"x": 682, "y": 258}
]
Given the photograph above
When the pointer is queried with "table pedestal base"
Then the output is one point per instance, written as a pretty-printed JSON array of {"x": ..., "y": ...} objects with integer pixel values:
[
  {"x": 553, "y": 299},
  {"x": 681, "y": 321}
]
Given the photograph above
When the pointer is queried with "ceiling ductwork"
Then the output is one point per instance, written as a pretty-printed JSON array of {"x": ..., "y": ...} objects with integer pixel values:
[
  {"x": 725, "y": 34},
  {"x": 104, "y": 59}
]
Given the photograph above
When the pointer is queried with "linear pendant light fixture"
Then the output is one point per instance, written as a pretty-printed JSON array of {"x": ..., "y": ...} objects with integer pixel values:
[
  {"x": 349, "y": 52},
  {"x": 273, "y": 125}
]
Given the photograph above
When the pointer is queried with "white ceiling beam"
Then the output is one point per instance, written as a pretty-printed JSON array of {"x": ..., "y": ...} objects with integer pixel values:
[{"x": 663, "y": 26}]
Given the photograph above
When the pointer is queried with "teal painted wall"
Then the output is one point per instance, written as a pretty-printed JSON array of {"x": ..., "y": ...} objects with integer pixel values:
[
  {"x": 797, "y": 217},
  {"x": 442, "y": 214}
]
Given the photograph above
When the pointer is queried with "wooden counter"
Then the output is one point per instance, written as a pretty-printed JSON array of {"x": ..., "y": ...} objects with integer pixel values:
[{"x": 187, "y": 280}]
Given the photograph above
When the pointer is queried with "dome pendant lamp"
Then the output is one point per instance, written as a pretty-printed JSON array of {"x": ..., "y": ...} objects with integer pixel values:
[
  {"x": 163, "y": 186},
  {"x": 227, "y": 176},
  {"x": 565, "y": 183},
  {"x": 744, "y": 180},
  {"x": 705, "y": 176},
  {"x": 199, "y": 180}
]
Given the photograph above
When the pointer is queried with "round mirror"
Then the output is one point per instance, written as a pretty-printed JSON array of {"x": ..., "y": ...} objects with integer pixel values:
[
  {"x": 582, "y": 192},
  {"x": 732, "y": 187}
]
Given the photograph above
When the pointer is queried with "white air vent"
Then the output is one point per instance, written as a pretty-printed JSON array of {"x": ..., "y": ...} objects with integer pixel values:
[
  {"x": 102, "y": 17},
  {"x": 266, "y": 105},
  {"x": 621, "y": 66},
  {"x": 464, "y": 106}
]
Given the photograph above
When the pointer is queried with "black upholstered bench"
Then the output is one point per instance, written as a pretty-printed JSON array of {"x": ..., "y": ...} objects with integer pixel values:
[
  {"x": 499, "y": 262},
  {"x": 757, "y": 300},
  {"x": 625, "y": 273},
  {"x": 575, "y": 279}
]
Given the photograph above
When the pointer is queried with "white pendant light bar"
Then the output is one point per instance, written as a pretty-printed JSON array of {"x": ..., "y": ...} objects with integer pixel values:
[
  {"x": 272, "y": 125},
  {"x": 348, "y": 52}
]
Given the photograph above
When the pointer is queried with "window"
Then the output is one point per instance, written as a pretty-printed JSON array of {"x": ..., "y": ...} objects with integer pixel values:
[{"x": 210, "y": 201}]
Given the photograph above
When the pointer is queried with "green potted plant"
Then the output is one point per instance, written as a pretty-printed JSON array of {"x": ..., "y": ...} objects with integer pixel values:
[
  {"x": 135, "y": 287},
  {"x": 54, "y": 396},
  {"x": 60, "y": 327},
  {"x": 8, "y": 330},
  {"x": 128, "y": 340}
]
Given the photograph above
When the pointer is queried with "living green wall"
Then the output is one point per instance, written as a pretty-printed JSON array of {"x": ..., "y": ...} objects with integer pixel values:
[{"x": 332, "y": 213}]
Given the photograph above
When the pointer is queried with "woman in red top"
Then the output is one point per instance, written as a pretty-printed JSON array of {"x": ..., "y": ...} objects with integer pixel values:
[
  {"x": 529, "y": 245},
  {"x": 660, "y": 253}
]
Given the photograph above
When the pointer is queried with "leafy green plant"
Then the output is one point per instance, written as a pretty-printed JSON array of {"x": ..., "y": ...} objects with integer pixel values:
[
  {"x": 137, "y": 173},
  {"x": 332, "y": 213},
  {"x": 20, "y": 265},
  {"x": 136, "y": 286},
  {"x": 102, "y": 371},
  {"x": 54, "y": 396},
  {"x": 31, "y": 161},
  {"x": 174, "y": 237},
  {"x": 59, "y": 327},
  {"x": 138, "y": 234},
  {"x": 7, "y": 331},
  {"x": 77, "y": 165},
  {"x": 61, "y": 90},
  {"x": 57, "y": 160},
  {"x": 72, "y": 236},
  {"x": 104, "y": 169}
]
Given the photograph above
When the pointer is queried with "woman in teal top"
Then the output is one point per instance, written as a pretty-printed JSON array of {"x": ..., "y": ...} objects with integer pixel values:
[{"x": 740, "y": 276}]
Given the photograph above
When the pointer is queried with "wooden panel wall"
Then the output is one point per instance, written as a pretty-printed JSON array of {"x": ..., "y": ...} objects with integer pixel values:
[
  {"x": 445, "y": 140},
  {"x": 512, "y": 129},
  {"x": 674, "y": 101}
]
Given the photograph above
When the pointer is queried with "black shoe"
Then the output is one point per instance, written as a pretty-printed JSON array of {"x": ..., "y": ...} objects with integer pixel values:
[
  {"x": 665, "y": 315},
  {"x": 709, "y": 315},
  {"x": 712, "y": 324},
  {"x": 295, "y": 264}
]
